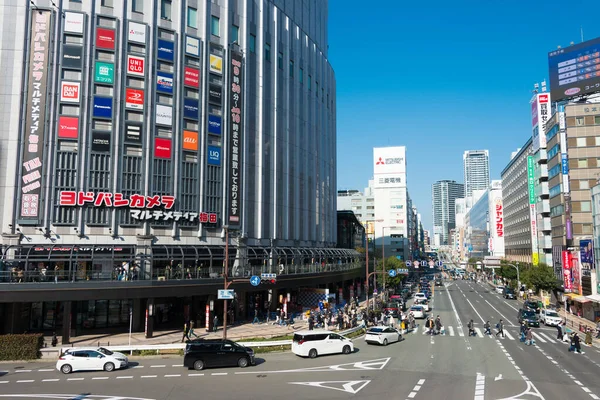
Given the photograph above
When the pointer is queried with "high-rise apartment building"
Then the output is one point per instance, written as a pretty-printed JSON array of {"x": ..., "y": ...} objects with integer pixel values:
[
  {"x": 444, "y": 195},
  {"x": 476, "y": 165}
]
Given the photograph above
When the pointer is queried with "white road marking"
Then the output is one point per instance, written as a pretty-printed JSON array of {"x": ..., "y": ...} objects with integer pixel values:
[
  {"x": 137, "y": 366},
  {"x": 148, "y": 376},
  {"x": 97, "y": 378},
  {"x": 157, "y": 366},
  {"x": 177, "y": 365},
  {"x": 73, "y": 379},
  {"x": 219, "y": 373},
  {"x": 26, "y": 381},
  {"x": 195, "y": 374},
  {"x": 4, "y": 381},
  {"x": 46, "y": 370},
  {"x": 23, "y": 370},
  {"x": 460, "y": 326},
  {"x": 508, "y": 335},
  {"x": 502, "y": 315},
  {"x": 546, "y": 337},
  {"x": 172, "y": 376},
  {"x": 124, "y": 377},
  {"x": 50, "y": 380},
  {"x": 451, "y": 331},
  {"x": 480, "y": 387},
  {"x": 478, "y": 332}
]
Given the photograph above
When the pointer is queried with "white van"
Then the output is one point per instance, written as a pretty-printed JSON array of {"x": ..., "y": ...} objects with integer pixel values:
[{"x": 318, "y": 342}]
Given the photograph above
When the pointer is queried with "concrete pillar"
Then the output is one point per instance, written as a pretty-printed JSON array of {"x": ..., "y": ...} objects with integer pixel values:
[
  {"x": 66, "y": 328},
  {"x": 149, "y": 318},
  {"x": 138, "y": 315}
]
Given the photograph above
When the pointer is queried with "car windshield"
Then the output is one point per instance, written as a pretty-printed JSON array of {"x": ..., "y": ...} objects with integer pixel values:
[
  {"x": 550, "y": 313},
  {"x": 375, "y": 330},
  {"x": 529, "y": 314},
  {"x": 105, "y": 351},
  {"x": 416, "y": 308}
]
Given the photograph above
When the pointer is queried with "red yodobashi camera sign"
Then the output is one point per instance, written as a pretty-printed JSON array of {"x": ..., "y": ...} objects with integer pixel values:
[{"x": 136, "y": 65}]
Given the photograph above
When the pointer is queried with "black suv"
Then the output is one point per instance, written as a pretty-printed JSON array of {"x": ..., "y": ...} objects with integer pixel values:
[
  {"x": 532, "y": 305},
  {"x": 529, "y": 316},
  {"x": 200, "y": 354},
  {"x": 508, "y": 293}
]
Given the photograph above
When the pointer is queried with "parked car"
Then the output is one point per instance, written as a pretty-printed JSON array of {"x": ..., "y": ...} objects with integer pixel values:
[
  {"x": 203, "y": 353},
  {"x": 500, "y": 289},
  {"x": 550, "y": 317},
  {"x": 509, "y": 293},
  {"x": 418, "y": 312},
  {"x": 90, "y": 359},
  {"x": 383, "y": 335},
  {"x": 320, "y": 342},
  {"x": 528, "y": 316},
  {"x": 424, "y": 303},
  {"x": 420, "y": 296}
]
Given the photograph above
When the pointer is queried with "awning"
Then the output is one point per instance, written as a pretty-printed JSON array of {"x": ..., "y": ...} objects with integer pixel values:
[
  {"x": 594, "y": 297},
  {"x": 576, "y": 297}
]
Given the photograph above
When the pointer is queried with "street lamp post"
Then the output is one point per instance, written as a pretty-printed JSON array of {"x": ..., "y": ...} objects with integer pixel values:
[
  {"x": 383, "y": 228},
  {"x": 367, "y": 268},
  {"x": 226, "y": 284},
  {"x": 518, "y": 279}
]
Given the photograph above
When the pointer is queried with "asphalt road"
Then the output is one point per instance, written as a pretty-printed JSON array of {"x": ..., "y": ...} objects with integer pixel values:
[{"x": 452, "y": 366}]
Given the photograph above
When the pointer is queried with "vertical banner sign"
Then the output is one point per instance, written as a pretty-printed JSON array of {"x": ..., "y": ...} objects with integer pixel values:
[
  {"x": 567, "y": 278},
  {"x": 235, "y": 139},
  {"x": 575, "y": 274},
  {"x": 532, "y": 210},
  {"x": 35, "y": 115},
  {"x": 586, "y": 256}
]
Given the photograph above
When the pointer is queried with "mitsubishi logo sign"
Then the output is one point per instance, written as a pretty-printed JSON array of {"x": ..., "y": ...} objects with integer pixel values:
[{"x": 380, "y": 162}]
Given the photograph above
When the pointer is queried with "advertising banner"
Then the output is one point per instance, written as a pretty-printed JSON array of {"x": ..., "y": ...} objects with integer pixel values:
[
  {"x": 136, "y": 65},
  {"x": 68, "y": 127},
  {"x": 162, "y": 148},
  {"x": 164, "y": 115},
  {"x": 136, "y": 32},
  {"x": 164, "y": 82},
  {"x": 214, "y": 124},
  {"x": 214, "y": 94},
  {"x": 105, "y": 38},
  {"x": 35, "y": 115},
  {"x": 191, "y": 77},
  {"x": 72, "y": 56},
  {"x": 104, "y": 73},
  {"x": 216, "y": 64},
  {"x": 101, "y": 141},
  {"x": 190, "y": 108},
  {"x": 190, "y": 140},
  {"x": 73, "y": 22},
  {"x": 214, "y": 155},
  {"x": 102, "y": 107},
  {"x": 133, "y": 131},
  {"x": 234, "y": 144},
  {"x": 586, "y": 256},
  {"x": 192, "y": 46},
  {"x": 572, "y": 70},
  {"x": 566, "y": 265},
  {"x": 165, "y": 50},
  {"x": 499, "y": 216},
  {"x": 575, "y": 274},
  {"x": 531, "y": 179},
  {"x": 69, "y": 92},
  {"x": 134, "y": 99}
]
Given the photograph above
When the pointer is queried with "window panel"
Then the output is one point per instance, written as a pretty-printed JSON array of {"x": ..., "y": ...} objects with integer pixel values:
[
  {"x": 192, "y": 17},
  {"x": 215, "y": 28}
]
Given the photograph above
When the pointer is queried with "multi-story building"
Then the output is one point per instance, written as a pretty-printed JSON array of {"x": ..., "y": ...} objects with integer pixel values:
[
  {"x": 361, "y": 203},
  {"x": 158, "y": 143},
  {"x": 476, "y": 167},
  {"x": 484, "y": 224},
  {"x": 573, "y": 142},
  {"x": 519, "y": 207},
  {"x": 444, "y": 195}
]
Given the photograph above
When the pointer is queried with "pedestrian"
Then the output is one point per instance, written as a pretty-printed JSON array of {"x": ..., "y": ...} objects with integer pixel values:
[
  {"x": 215, "y": 323},
  {"x": 438, "y": 324},
  {"x": 186, "y": 330},
  {"x": 559, "y": 331},
  {"x": 576, "y": 344},
  {"x": 487, "y": 328},
  {"x": 471, "y": 326},
  {"x": 588, "y": 336},
  {"x": 255, "y": 320},
  {"x": 311, "y": 323},
  {"x": 54, "y": 339},
  {"x": 500, "y": 327},
  {"x": 529, "y": 337},
  {"x": 430, "y": 326},
  {"x": 191, "y": 330}
]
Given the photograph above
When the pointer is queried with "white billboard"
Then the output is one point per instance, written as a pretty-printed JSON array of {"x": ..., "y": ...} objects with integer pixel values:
[
  {"x": 389, "y": 167},
  {"x": 164, "y": 115},
  {"x": 496, "y": 213},
  {"x": 136, "y": 33},
  {"x": 540, "y": 113},
  {"x": 73, "y": 22}
]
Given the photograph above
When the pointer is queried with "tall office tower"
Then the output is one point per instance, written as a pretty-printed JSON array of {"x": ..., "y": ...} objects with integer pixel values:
[
  {"x": 444, "y": 195},
  {"x": 476, "y": 165}
]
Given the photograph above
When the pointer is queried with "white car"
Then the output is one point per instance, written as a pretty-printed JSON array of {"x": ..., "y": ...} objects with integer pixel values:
[
  {"x": 319, "y": 342},
  {"x": 550, "y": 317},
  {"x": 500, "y": 289},
  {"x": 382, "y": 335},
  {"x": 418, "y": 312},
  {"x": 90, "y": 359},
  {"x": 424, "y": 303},
  {"x": 420, "y": 296}
]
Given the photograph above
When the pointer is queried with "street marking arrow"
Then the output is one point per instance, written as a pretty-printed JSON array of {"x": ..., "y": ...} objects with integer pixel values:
[
  {"x": 351, "y": 387},
  {"x": 376, "y": 364},
  {"x": 498, "y": 378}
]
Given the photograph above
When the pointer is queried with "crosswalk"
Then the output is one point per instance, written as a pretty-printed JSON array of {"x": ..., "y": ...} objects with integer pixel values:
[{"x": 514, "y": 335}]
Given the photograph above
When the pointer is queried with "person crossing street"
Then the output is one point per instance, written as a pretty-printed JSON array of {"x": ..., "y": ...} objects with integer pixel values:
[{"x": 500, "y": 328}]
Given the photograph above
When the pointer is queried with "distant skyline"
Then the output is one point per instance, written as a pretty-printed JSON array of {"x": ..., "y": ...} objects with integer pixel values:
[{"x": 440, "y": 78}]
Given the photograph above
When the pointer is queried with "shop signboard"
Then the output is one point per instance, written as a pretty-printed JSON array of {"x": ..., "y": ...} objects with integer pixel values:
[
  {"x": 104, "y": 72},
  {"x": 234, "y": 158}
]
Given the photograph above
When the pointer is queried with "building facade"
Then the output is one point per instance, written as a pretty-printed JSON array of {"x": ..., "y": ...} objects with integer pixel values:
[
  {"x": 157, "y": 140},
  {"x": 476, "y": 167},
  {"x": 518, "y": 213},
  {"x": 444, "y": 195},
  {"x": 484, "y": 224}
]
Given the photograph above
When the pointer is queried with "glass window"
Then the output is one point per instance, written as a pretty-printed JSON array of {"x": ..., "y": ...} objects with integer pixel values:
[
  {"x": 252, "y": 43},
  {"x": 165, "y": 9},
  {"x": 582, "y": 163},
  {"x": 215, "y": 26},
  {"x": 280, "y": 60},
  {"x": 137, "y": 6},
  {"x": 291, "y": 68},
  {"x": 317, "y": 86},
  {"x": 581, "y": 142},
  {"x": 579, "y": 121},
  {"x": 584, "y": 184},
  {"x": 192, "y": 17},
  {"x": 586, "y": 206},
  {"x": 301, "y": 77},
  {"x": 235, "y": 33},
  {"x": 597, "y": 119},
  {"x": 267, "y": 52},
  {"x": 309, "y": 82},
  {"x": 107, "y": 3}
]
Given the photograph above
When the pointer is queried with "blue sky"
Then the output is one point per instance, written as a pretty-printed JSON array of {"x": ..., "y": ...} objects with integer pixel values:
[{"x": 439, "y": 78}]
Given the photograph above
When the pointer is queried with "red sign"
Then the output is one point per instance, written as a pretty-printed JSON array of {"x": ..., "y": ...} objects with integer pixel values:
[
  {"x": 566, "y": 265},
  {"x": 162, "y": 148},
  {"x": 69, "y": 92},
  {"x": 191, "y": 77},
  {"x": 543, "y": 98},
  {"x": 134, "y": 98},
  {"x": 68, "y": 127},
  {"x": 105, "y": 38},
  {"x": 136, "y": 65},
  {"x": 499, "y": 218}
]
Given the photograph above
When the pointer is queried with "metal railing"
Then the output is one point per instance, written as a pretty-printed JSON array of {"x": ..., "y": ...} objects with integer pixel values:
[{"x": 119, "y": 274}]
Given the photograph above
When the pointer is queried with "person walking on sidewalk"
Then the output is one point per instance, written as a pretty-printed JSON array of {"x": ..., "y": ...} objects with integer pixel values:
[
  {"x": 559, "y": 331},
  {"x": 500, "y": 327},
  {"x": 215, "y": 323},
  {"x": 588, "y": 335},
  {"x": 255, "y": 320},
  {"x": 186, "y": 331}
]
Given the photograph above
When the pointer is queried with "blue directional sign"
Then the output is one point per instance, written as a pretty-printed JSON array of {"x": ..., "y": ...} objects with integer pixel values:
[
  {"x": 225, "y": 294},
  {"x": 408, "y": 263},
  {"x": 440, "y": 263},
  {"x": 392, "y": 273},
  {"x": 255, "y": 280},
  {"x": 423, "y": 263}
]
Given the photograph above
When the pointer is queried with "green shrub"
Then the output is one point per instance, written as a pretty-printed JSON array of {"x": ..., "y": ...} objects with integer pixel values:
[{"x": 20, "y": 347}]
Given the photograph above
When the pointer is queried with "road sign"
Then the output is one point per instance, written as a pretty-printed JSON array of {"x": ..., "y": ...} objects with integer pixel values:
[
  {"x": 440, "y": 263},
  {"x": 255, "y": 280},
  {"x": 268, "y": 276},
  {"x": 423, "y": 263},
  {"x": 402, "y": 271},
  {"x": 408, "y": 263},
  {"x": 392, "y": 273},
  {"x": 375, "y": 291},
  {"x": 225, "y": 294}
]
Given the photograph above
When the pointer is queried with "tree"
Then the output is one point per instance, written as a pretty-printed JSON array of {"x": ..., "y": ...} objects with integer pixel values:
[
  {"x": 541, "y": 277},
  {"x": 393, "y": 263}
]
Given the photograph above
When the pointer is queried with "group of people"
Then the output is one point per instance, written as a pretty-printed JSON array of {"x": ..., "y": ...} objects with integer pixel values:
[
  {"x": 487, "y": 328},
  {"x": 344, "y": 318}
]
